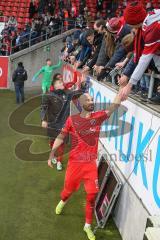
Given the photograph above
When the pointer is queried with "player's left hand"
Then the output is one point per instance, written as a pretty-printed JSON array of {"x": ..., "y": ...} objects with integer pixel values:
[
  {"x": 125, "y": 91},
  {"x": 50, "y": 163}
]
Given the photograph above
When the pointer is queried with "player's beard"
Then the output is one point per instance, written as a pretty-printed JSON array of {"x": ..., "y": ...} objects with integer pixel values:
[{"x": 88, "y": 108}]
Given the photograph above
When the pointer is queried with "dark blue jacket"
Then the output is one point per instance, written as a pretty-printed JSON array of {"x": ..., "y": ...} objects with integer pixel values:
[{"x": 86, "y": 50}]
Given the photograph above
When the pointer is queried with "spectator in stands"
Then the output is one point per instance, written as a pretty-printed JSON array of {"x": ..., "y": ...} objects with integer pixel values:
[
  {"x": 111, "y": 8},
  {"x": 128, "y": 44},
  {"x": 80, "y": 21},
  {"x": 147, "y": 43},
  {"x": 57, "y": 24},
  {"x": 68, "y": 5},
  {"x": 75, "y": 48},
  {"x": 13, "y": 37},
  {"x": 61, "y": 5},
  {"x": 82, "y": 7},
  {"x": 66, "y": 17},
  {"x": 116, "y": 30},
  {"x": 12, "y": 23},
  {"x": 38, "y": 26},
  {"x": 86, "y": 43},
  {"x": 32, "y": 9},
  {"x": 19, "y": 77},
  {"x": 24, "y": 34},
  {"x": 100, "y": 5},
  {"x": 50, "y": 7},
  {"x": 73, "y": 11},
  {"x": 18, "y": 41},
  {"x": 41, "y": 7},
  {"x": 99, "y": 27},
  {"x": 68, "y": 48},
  {"x": 47, "y": 18},
  {"x": 5, "y": 30},
  {"x": 88, "y": 18}
]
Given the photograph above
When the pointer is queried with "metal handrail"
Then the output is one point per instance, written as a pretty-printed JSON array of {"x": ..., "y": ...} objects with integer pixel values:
[{"x": 30, "y": 40}]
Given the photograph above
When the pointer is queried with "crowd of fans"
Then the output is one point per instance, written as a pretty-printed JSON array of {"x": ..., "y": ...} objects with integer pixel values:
[
  {"x": 114, "y": 47},
  {"x": 46, "y": 21},
  {"x": 43, "y": 23}
]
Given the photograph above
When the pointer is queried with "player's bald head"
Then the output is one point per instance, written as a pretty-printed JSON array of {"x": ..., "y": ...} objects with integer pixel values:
[
  {"x": 86, "y": 102},
  {"x": 83, "y": 98}
]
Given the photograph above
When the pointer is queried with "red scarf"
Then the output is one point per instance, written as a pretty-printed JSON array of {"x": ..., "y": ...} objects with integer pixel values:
[{"x": 138, "y": 45}]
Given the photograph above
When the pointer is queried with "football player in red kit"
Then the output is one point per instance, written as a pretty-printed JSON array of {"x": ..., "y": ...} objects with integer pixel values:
[{"x": 84, "y": 129}]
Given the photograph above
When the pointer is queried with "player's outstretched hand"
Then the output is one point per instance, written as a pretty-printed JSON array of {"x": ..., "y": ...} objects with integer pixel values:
[
  {"x": 125, "y": 91},
  {"x": 50, "y": 163},
  {"x": 123, "y": 80}
]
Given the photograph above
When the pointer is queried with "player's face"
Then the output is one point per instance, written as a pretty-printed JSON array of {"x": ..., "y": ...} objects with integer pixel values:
[
  {"x": 49, "y": 63},
  {"x": 88, "y": 104},
  {"x": 59, "y": 85}
]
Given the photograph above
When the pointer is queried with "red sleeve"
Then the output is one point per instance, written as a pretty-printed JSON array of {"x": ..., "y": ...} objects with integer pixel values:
[
  {"x": 67, "y": 127},
  {"x": 51, "y": 88},
  {"x": 70, "y": 84},
  {"x": 101, "y": 115}
]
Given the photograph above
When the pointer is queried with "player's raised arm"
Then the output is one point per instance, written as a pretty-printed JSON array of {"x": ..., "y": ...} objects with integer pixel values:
[
  {"x": 58, "y": 65},
  {"x": 113, "y": 107}
]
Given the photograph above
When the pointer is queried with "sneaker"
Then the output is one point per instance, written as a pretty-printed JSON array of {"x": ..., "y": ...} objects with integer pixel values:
[
  {"x": 89, "y": 233},
  {"x": 59, "y": 166},
  {"x": 59, "y": 207},
  {"x": 54, "y": 161}
]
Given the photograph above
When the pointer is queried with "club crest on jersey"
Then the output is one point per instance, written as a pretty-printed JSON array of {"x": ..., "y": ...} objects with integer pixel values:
[{"x": 93, "y": 121}]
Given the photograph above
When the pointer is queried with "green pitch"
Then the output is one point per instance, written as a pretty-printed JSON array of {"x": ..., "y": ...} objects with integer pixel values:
[{"x": 29, "y": 190}]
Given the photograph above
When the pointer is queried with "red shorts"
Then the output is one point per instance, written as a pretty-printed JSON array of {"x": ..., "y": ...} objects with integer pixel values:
[{"x": 78, "y": 173}]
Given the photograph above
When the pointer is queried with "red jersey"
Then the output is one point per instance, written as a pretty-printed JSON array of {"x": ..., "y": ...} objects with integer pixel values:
[
  {"x": 84, "y": 136},
  {"x": 151, "y": 33}
]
